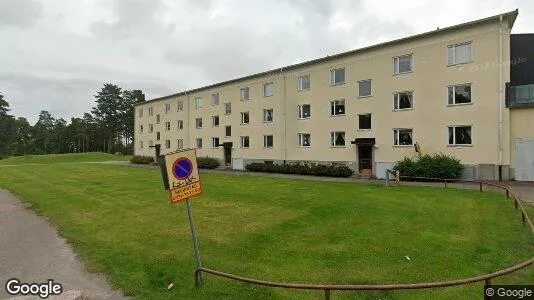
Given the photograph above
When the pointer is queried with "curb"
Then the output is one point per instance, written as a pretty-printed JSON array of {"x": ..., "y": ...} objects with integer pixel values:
[{"x": 68, "y": 295}]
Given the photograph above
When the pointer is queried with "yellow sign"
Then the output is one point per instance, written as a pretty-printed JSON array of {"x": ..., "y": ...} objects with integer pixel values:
[{"x": 182, "y": 173}]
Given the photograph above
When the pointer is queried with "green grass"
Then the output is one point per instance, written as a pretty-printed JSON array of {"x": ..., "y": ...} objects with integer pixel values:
[
  {"x": 63, "y": 158},
  {"x": 121, "y": 222}
]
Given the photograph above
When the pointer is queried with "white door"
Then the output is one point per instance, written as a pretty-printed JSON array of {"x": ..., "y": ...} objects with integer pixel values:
[{"x": 524, "y": 160}]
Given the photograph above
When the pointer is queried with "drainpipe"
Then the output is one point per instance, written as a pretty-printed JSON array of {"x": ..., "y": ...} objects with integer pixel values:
[
  {"x": 284, "y": 113},
  {"x": 188, "y": 122},
  {"x": 501, "y": 100}
]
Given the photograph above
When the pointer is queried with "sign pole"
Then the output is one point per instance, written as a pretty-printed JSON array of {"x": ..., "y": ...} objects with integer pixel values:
[{"x": 198, "y": 279}]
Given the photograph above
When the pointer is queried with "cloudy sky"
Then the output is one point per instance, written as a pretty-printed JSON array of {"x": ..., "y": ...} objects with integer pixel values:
[{"x": 56, "y": 54}]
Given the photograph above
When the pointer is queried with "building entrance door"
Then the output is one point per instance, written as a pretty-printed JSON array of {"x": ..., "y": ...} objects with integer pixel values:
[
  {"x": 365, "y": 158},
  {"x": 227, "y": 154},
  {"x": 524, "y": 160}
]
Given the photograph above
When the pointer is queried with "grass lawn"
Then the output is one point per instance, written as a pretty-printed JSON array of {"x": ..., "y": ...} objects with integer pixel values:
[
  {"x": 121, "y": 222},
  {"x": 66, "y": 158}
]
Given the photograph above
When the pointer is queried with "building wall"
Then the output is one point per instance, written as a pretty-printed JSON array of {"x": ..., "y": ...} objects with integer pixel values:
[
  {"x": 429, "y": 117},
  {"x": 522, "y": 127}
]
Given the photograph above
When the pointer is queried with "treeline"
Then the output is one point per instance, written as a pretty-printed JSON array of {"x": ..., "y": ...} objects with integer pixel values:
[{"x": 109, "y": 127}]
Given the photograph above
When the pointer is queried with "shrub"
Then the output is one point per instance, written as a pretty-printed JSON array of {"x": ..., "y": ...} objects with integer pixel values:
[
  {"x": 207, "y": 162},
  {"x": 302, "y": 169},
  {"x": 139, "y": 159},
  {"x": 431, "y": 166}
]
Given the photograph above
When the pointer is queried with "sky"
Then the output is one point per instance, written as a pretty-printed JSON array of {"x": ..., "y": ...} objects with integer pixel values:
[{"x": 55, "y": 55}]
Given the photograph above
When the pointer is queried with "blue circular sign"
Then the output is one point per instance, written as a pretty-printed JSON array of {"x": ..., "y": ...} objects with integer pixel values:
[{"x": 182, "y": 168}]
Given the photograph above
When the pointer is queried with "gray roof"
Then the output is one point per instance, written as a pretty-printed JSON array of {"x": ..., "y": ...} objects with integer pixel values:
[{"x": 509, "y": 16}]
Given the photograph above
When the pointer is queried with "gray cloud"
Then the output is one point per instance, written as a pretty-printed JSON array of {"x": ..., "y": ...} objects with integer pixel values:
[{"x": 20, "y": 13}]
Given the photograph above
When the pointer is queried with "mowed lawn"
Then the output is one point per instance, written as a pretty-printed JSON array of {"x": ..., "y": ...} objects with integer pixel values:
[
  {"x": 63, "y": 158},
  {"x": 121, "y": 222}
]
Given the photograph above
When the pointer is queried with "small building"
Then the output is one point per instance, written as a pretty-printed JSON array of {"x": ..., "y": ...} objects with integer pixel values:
[{"x": 465, "y": 90}]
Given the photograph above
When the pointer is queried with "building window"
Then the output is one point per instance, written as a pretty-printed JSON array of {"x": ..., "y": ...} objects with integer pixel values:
[
  {"x": 167, "y": 144},
  {"x": 268, "y": 141},
  {"x": 141, "y": 128},
  {"x": 337, "y": 139},
  {"x": 304, "y": 140},
  {"x": 304, "y": 83},
  {"x": 215, "y": 142},
  {"x": 267, "y": 115},
  {"x": 245, "y": 93},
  {"x": 150, "y": 143},
  {"x": 245, "y": 143},
  {"x": 180, "y": 105},
  {"x": 215, "y": 121},
  {"x": 150, "y": 128},
  {"x": 304, "y": 111},
  {"x": 459, "y": 54},
  {"x": 245, "y": 117},
  {"x": 402, "y": 64},
  {"x": 402, "y": 137},
  {"x": 228, "y": 131},
  {"x": 215, "y": 99},
  {"x": 140, "y": 113},
  {"x": 167, "y": 126},
  {"x": 459, "y": 94},
  {"x": 150, "y": 111},
  {"x": 364, "y": 122},
  {"x": 337, "y": 108},
  {"x": 158, "y": 119},
  {"x": 268, "y": 89},
  {"x": 167, "y": 108},
  {"x": 158, "y": 136},
  {"x": 180, "y": 144},
  {"x": 198, "y": 123},
  {"x": 198, "y": 102},
  {"x": 364, "y": 88},
  {"x": 199, "y": 143},
  {"x": 403, "y": 100},
  {"x": 460, "y": 135},
  {"x": 228, "y": 108},
  {"x": 140, "y": 144},
  {"x": 180, "y": 125},
  {"x": 337, "y": 76}
]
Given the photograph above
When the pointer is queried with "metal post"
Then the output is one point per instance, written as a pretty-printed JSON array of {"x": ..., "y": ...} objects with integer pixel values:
[
  {"x": 198, "y": 275},
  {"x": 445, "y": 183},
  {"x": 480, "y": 186}
]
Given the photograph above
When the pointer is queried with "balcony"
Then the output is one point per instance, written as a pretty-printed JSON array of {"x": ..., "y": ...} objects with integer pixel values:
[{"x": 520, "y": 96}]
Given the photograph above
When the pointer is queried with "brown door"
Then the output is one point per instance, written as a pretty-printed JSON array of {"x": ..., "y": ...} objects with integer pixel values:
[
  {"x": 365, "y": 157},
  {"x": 227, "y": 153}
]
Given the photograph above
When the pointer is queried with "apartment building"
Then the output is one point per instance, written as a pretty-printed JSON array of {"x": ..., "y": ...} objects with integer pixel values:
[{"x": 443, "y": 91}]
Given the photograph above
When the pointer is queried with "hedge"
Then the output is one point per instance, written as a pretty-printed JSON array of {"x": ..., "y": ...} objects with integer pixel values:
[
  {"x": 301, "y": 169},
  {"x": 207, "y": 162},
  {"x": 431, "y": 166},
  {"x": 139, "y": 159}
]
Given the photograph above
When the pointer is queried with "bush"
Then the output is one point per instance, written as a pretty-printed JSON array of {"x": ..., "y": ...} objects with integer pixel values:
[
  {"x": 207, "y": 163},
  {"x": 431, "y": 166},
  {"x": 302, "y": 169},
  {"x": 139, "y": 159}
]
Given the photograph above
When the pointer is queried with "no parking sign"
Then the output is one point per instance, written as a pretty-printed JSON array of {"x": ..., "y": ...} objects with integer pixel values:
[{"x": 182, "y": 174}]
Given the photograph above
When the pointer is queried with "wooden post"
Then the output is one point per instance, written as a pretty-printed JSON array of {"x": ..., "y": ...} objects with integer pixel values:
[
  {"x": 480, "y": 186},
  {"x": 397, "y": 177}
]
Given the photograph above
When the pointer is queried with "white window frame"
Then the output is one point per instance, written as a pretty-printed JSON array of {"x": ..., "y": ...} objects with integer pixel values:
[
  {"x": 180, "y": 105},
  {"x": 266, "y": 139},
  {"x": 301, "y": 112},
  {"x": 301, "y": 140},
  {"x": 213, "y": 121},
  {"x": 215, "y": 99},
  {"x": 167, "y": 126},
  {"x": 396, "y": 137},
  {"x": 370, "y": 91},
  {"x": 198, "y": 102},
  {"x": 158, "y": 119},
  {"x": 396, "y": 101},
  {"x": 333, "y": 139},
  {"x": 167, "y": 144},
  {"x": 198, "y": 123},
  {"x": 396, "y": 64},
  {"x": 454, "y": 94},
  {"x": 213, "y": 139},
  {"x": 265, "y": 115},
  {"x": 151, "y": 111},
  {"x": 140, "y": 113},
  {"x": 333, "y": 76},
  {"x": 179, "y": 144},
  {"x": 455, "y": 144},
  {"x": 198, "y": 143},
  {"x": 243, "y": 114},
  {"x": 452, "y": 48},
  {"x": 226, "y": 112},
  {"x": 242, "y": 93},
  {"x": 268, "y": 85},
  {"x": 365, "y": 129},
  {"x": 180, "y": 125},
  {"x": 333, "y": 103},
  {"x": 300, "y": 87},
  {"x": 243, "y": 141},
  {"x": 167, "y": 108}
]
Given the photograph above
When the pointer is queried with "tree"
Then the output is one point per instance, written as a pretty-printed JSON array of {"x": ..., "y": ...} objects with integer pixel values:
[
  {"x": 6, "y": 127},
  {"x": 43, "y": 132},
  {"x": 4, "y": 106},
  {"x": 108, "y": 112},
  {"x": 128, "y": 113}
]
